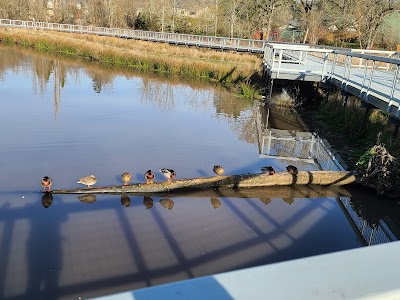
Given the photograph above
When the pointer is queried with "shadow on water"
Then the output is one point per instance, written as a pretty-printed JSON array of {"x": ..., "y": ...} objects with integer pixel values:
[{"x": 44, "y": 251}]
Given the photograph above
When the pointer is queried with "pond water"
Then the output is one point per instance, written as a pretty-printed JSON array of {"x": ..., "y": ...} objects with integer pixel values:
[{"x": 67, "y": 119}]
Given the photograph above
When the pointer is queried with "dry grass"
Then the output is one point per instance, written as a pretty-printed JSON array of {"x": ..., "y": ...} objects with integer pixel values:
[{"x": 190, "y": 62}]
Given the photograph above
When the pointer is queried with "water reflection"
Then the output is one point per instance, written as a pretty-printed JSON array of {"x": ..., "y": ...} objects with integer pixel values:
[
  {"x": 288, "y": 200},
  {"x": 265, "y": 200},
  {"x": 63, "y": 253},
  {"x": 47, "y": 199},
  {"x": 167, "y": 203},
  {"x": 282, "y": 135},
  {"x": 215, "y": 202},
  {"x": 148, "y": 202},
  {"x": 87, "y": 198},
  {"x": 125, "y": 200}
]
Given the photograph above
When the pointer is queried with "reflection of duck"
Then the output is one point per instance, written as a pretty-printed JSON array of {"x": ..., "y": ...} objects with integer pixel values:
[
  {"x": 87, "y": 198},
  {"x": 149, "y": 175},
  {"x": 288, "y": 200},
  {"x": 265, "y": 200},
  {"x": 47, "y": 199},
  {"x": 148, "y": 202},
  {"x": 88, "y": 180},
  {"x": 126, "y": 178},
  {"x": 215, "y": 202},
  {"x": 292, "y": 170},
  {"x": 125, "y": 200},
  {"x": 46, "y": 183},
  {"x": 218, "y": 170},
  {"x": 167, "y": 203},
  {"x": 168, "y": 173},
  {"x": 270, "y": 170}
]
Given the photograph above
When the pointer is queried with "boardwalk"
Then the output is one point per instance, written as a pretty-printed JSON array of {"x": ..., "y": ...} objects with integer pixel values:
[
  {"x": 372, "y": 78},
  {"x": 369, "y": 75}
]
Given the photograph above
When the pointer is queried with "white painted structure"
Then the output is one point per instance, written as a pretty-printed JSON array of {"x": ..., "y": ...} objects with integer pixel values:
[{"x": 369, "y": 273}]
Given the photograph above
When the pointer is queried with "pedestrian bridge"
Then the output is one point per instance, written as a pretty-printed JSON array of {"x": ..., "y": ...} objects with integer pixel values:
[{"x": 370, "y": 75}]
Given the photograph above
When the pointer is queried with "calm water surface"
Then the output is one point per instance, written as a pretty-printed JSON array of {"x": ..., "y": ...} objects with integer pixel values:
[{"x": 66, "y": 119}]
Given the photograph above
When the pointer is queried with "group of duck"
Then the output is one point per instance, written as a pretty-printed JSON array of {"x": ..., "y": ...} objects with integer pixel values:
[{"x": 170, "y": 174}]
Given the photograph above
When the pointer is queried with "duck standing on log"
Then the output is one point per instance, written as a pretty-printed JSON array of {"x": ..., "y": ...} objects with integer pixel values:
[
  {"x": 87, "y": 180},
  {"x": 46, "y": 183},
  {"x": 126, "y": 178},
  {"x": 218, "y": 170},
  {"x": 292, "y": 170},
  {"x": 268, "y": 170},
  {"x": 168, "y": 173},
  {"x": 149, "y": 176}
]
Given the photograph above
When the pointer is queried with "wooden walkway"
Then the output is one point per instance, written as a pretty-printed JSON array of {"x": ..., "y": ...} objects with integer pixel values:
[{"x": 372, "y": 76}]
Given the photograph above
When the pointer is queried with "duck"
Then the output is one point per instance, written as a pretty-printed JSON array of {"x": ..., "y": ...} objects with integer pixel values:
[
  {"x": 46, "y": 183},
  {"x": 270, "y": 170},
  {"x": 292, "y": 170},
  {"x": 149, "y": 175},
  {"x": 126, "y": 178},
  {"x": 87, "y": 180},
  {"x": 218, "y": 170},
  {"x": 168, "y": 173}
]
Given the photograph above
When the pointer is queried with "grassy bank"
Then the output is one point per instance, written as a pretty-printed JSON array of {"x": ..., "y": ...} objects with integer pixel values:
[
  {"x": 217, "y": 66},
  {"x": 344, "y": 124}
]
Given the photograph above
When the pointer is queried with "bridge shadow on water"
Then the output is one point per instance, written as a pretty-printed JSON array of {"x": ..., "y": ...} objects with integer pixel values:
[{"x": 49, "y": 277}]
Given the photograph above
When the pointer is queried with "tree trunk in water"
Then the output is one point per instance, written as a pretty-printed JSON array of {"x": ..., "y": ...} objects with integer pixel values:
[{"x": 325, "y": 178}]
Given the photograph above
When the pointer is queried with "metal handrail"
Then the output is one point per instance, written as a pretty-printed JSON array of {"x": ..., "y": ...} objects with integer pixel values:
[{"x": 237, "y": 44}]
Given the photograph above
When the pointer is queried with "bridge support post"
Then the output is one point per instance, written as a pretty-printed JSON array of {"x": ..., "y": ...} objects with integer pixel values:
[
  {"x": 396, "y": 123},
  {"x": 367, "y": 108},
  {"x": 327, "y": 88},
  {"x": 346, "y": 97}
]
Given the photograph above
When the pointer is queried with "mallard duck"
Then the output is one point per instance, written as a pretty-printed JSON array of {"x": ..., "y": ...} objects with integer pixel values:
[
  {"x": 168, "y": 173},
  {"x": 126, "y": 178},
  {"x": 148, "y": 202},
  {"x": 125, "y": 200},
  {"x": 218, "y": 170},
  {"x": 149, "y": 175},
  {"x": 167, "y": 203},
  {"x": 47, "y": 199},
  {"x": 292, "y": 170},
  {"x": 270, "y": 170},
  {"x": 46, "y": 183},
  {"x": 87, "y": 180}
]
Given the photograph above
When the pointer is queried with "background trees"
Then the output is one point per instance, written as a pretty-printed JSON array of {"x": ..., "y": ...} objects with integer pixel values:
[{"x": 370, "y": 23}]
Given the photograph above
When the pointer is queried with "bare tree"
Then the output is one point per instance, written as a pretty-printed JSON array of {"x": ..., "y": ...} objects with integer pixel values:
[{"x": 368, "y": 16}]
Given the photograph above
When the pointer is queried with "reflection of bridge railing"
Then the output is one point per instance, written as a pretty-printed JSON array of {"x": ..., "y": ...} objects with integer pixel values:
[
  {"x": 294, "y": 144},
  {"x": 373, "y": 234}
]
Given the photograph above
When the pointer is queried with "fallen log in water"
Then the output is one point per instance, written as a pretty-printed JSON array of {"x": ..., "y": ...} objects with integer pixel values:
[{"x": 331, "y": 178}]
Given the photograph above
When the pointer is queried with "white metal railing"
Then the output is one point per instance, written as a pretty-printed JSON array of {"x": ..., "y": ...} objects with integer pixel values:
[
  {"x": 373, "y": 73},
  {"x": 374, "y": 234},
  {"x": 370, "y": 74},
  {"x": 237, "y": 44},
  {"x": 286, "y": 58}
]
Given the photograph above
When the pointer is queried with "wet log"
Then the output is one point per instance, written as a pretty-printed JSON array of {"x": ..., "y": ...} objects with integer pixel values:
[{"x": 325, "y": 178}]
